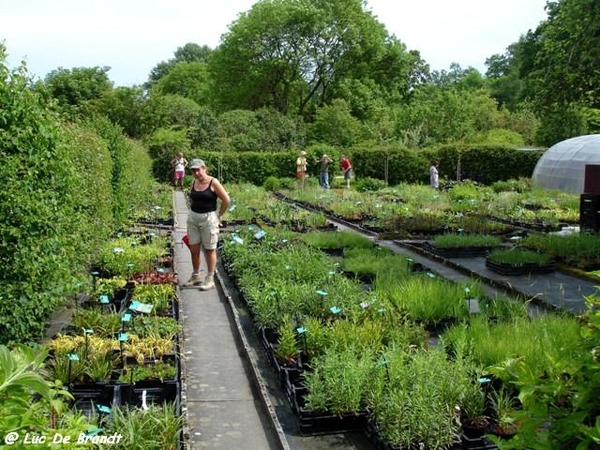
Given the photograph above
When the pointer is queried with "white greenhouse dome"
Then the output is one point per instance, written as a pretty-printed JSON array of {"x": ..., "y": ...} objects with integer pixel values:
[{"x": 562, "y": 166}]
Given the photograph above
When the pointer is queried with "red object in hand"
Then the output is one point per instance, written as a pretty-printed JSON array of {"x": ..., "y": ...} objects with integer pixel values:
[{"x": 186, "y": 240}]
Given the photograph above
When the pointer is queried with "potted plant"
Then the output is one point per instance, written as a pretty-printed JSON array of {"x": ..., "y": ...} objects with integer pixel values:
[
  {"x": 457, "y": 245},
  {"x": 474, "y": 420},
  {"x": 503, "y": 406},
  {"x": 519, "y": 261}
]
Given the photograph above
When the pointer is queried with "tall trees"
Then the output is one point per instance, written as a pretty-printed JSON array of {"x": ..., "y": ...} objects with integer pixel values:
[
  {"x": 189, "y": 53},
  {"x": 295, "y": 55},
  {"x": 560, "y": 68},
  {"x": 72, "y": 88}
]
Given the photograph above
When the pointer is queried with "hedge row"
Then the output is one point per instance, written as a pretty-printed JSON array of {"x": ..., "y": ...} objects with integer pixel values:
[
  {"x": 64, "y": 190},
  {"x": 485, "y": 164}
]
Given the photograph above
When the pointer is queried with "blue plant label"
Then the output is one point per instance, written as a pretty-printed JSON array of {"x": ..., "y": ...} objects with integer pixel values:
[
  {"x": 467, "y": 289},
  {"x": 261, "y": 234},
  {"x": 157, "y": 208},
  {"x": 88, "y": 331},
  {"x": 430, "y": 275},
  {"x": 232, "y": 207},
  {"x": 381, "y": 310},
  {"x": 123, "y": 337},
  {"x": 335, "y": 310},
  {"x": 160, "y": 269},
  {"x": 331, "y": 272},
  {"x": 152, "y": 234},
  {"x": 104, "y": 299},
  {"x": 364, "y": 305},
  {"x": 409, "y": 260},
  {"x": 288, "y": 267},
  {"x": 483, "y": 380},
  {"x": 104, "y": 409},
  {"x": 129, "y": 264},
  {"x": 94, "y": 273},
  {"x": 284, "y": 241},
  {"x": 73, "y": 357},
  {"x": 141, "y": 307},
  {"x": 126, "y": 317},
  {"x": 301, "y": 330},
  {"x": 94, "y": 431},
  {"x": 321, "y": 292},
  {"x": 118, "y": 250},
  {"x": 237, "y": 240}
]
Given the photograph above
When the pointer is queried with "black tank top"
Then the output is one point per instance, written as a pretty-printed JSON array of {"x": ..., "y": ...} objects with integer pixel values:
[{"x": 203, "y": 201}]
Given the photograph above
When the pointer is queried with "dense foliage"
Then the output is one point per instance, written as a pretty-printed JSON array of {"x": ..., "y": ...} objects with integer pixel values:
[
  {"x": 290, "y": 74},
  {"x": 65, "y": 189}
]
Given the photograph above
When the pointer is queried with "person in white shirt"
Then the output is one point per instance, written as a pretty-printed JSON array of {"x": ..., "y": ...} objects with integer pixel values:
[
  {"x": 179, "y": 163},
  {"x": 434, "y": 176}
]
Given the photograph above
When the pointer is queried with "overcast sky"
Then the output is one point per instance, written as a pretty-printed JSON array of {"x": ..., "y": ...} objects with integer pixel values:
[{"x": 132, "y": 36}]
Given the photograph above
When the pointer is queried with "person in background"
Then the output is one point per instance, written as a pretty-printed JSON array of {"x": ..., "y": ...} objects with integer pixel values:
[
  {"x": 203, "y": 222},
  {"x": 179, "y": 163},
  {"x": 324, "y": 174},
  {"x": 301, "y": 167},
  {"x": 346, "y": 167},
  {"x": 434, "y": 176}
]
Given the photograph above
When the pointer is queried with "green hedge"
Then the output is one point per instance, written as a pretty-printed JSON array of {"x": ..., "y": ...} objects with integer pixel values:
[
  {"x": 486, "y": 164},
  {"x": 64, "y": 190}
]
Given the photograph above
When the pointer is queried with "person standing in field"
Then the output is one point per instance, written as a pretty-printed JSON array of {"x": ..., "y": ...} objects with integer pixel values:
[
  {"x": 346, "y": 167},
  {"x": 434, "y": 177},
  {"x": 301, "y": 167},
  {"x": 324, "y": 174}
]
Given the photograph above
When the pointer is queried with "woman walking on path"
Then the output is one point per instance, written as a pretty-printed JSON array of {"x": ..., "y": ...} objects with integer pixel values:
[
  {"x": 204, "y": 221},
  {"x": 179, "y": 164}
]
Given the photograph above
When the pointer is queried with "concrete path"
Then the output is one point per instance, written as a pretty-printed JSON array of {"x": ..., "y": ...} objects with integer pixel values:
[{"x": 221, "y": 399}]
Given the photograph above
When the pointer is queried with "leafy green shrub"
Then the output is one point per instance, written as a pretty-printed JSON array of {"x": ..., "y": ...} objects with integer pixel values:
[
  {"x": 369, "y": 184},
  {"x": 520, "y": 185},
  {"x": 272, "y": 184}
]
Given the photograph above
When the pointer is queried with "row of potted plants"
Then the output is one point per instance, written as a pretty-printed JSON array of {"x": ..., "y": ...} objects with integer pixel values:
[
  {"x": 119, "y": 359},
  {"x": 272, "y": 270}
]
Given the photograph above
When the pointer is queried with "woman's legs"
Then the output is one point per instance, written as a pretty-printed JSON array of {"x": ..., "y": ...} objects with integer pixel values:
[
  {"x": 211, "y": 266},
  {"x": 195, "y": 278},
  {"x": 211, "y": 261}
]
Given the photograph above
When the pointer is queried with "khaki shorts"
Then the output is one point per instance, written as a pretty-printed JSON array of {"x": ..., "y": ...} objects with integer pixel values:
[{"x": 203, "y": 228}]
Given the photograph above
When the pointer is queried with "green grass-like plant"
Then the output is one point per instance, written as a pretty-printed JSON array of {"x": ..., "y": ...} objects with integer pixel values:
[
  {"x": 518, "y": 257},
  {"x": 337, "y": 240}
]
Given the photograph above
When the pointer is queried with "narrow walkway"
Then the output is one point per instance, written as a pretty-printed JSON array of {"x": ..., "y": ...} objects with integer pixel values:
[{"x": 222, "y": 405}]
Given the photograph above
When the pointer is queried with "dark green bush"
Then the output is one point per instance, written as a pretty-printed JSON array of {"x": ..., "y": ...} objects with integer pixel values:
[
  {"x": 272, "y": 184},
  {"x": 369, "y": 184},
  {"x": 64, "y": 190}
]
